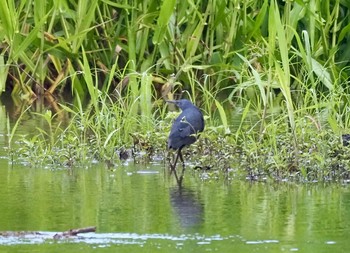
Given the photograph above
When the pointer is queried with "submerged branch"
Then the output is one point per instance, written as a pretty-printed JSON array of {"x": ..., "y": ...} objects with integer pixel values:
[{"x": 74, "y": 232}]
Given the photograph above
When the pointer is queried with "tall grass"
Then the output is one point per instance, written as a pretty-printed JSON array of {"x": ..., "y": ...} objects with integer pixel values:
[
  {"x": 125, "y": 57},
  {"x": 42, "y": 42}
]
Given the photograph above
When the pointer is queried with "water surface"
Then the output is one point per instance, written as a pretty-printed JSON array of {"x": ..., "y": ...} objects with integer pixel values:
[{"x": 141, "y": 207}]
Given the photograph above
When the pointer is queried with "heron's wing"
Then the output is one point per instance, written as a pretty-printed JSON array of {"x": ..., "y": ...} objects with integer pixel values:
[{"x": 185, "y": 128}]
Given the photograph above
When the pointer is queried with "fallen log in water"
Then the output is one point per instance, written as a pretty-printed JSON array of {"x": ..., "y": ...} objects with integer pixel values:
[{"x": 74, "y": 232}]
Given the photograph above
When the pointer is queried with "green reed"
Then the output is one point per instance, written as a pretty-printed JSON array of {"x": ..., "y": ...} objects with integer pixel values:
[{"x": 283, "y": 64}]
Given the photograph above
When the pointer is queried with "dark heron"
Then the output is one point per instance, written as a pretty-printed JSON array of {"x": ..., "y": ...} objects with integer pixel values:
[{"x": 186, "y": 128}]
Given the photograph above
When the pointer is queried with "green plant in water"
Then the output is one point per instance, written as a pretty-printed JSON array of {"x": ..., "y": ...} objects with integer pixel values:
[{"x": 284, "y": 66}]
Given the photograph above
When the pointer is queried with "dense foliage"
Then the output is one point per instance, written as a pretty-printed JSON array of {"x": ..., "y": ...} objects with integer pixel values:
[
  {"x": 283, "y": 65},
  {"x": 207, "y": 44}
]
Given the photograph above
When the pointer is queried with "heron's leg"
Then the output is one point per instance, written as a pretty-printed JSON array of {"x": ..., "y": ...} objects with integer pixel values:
[
  {"x": 183, "y": 165},
  {"x": 173, "y": 166},
  {"x": 181, "y": 158}
]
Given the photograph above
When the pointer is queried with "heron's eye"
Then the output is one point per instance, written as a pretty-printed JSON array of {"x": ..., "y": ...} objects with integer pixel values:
[{"x": 183, "y": 119}]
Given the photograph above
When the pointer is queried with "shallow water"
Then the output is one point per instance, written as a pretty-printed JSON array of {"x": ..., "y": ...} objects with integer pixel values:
[{"x": 141, "y": 208}]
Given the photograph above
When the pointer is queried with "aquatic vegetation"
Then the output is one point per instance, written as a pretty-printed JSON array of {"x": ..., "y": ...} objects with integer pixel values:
[
  {"x": 271, "y": 78},
  {"x": 313, "y": 152}
]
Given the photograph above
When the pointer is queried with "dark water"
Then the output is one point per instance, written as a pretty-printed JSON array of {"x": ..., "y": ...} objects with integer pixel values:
[{"x": 141, "y": 208}]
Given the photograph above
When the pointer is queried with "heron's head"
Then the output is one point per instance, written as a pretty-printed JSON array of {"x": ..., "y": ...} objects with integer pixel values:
[{"x": 182, "y": 103}]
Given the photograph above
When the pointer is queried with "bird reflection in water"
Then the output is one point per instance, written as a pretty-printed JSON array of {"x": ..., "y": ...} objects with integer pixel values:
[{"x": 187, "y": 206}]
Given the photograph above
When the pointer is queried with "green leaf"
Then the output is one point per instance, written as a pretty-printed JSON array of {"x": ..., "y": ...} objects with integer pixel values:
[
  {"x": 163, "y": 20},
  {"x": 223, "y": 117}
]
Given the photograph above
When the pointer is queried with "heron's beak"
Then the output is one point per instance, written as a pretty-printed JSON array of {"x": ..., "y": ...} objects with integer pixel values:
[
  {"x": 171, "y": 101},
  {"x": 172, "y": 104}
]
